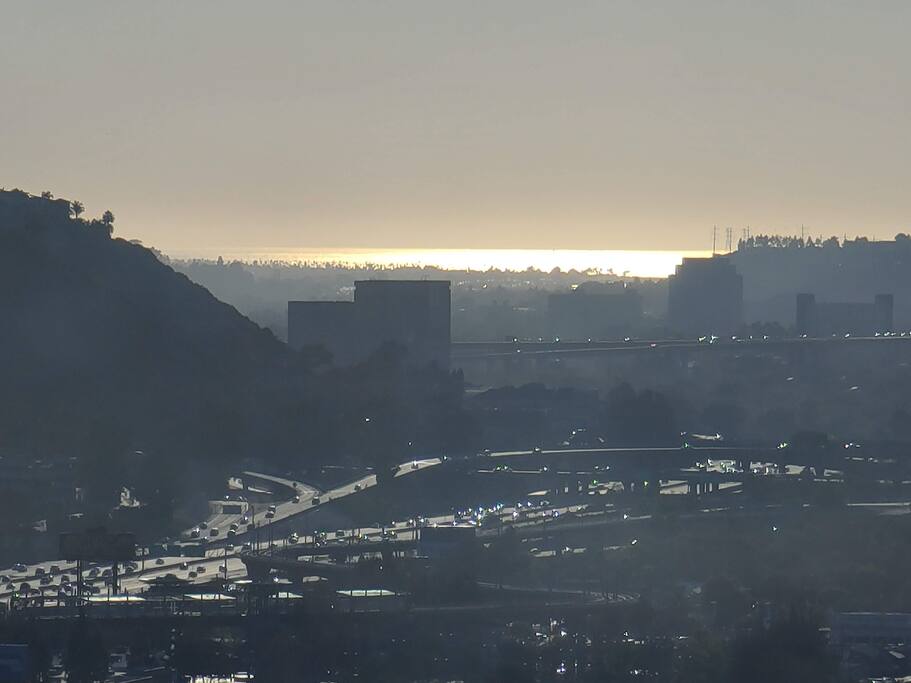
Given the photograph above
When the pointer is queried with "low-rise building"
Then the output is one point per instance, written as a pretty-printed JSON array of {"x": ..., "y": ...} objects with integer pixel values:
[{"x": 819, "y": 319}]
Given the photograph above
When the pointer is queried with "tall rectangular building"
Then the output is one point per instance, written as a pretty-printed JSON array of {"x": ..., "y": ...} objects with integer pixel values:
[
  {"x": 705, "y": 296},
  {"x": 414, "y": 314}
]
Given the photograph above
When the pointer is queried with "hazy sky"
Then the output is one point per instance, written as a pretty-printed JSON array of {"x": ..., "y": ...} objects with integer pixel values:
[{"x": 605, "y": 125}]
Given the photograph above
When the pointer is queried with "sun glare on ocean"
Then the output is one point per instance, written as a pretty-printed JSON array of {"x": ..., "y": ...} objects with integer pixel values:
[{"x": 619, "y": 262}]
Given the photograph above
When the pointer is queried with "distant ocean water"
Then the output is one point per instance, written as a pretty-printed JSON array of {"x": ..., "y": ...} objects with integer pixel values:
[{"x": 630, "y": 262}]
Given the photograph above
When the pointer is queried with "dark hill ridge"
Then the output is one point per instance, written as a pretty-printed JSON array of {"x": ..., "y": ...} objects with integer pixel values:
[
  {"x": 105, "y": 349},
  {"x": 46, "y": 254},
  {"x": 98, "y": 334}
]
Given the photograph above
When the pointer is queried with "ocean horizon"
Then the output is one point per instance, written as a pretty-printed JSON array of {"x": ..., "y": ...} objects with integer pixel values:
[{"x": 627, "y": 262}]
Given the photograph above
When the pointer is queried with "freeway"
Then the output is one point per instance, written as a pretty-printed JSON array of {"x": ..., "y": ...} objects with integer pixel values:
[
  {"x": 228, "y": 548},
  {"x": 289, "y": 509},
  {"x": 218, "y": 524},
  {"x": 632, "y": 450},
  {"x": 493, "y": 350},
  {"x": 523, "y": 515},
  {"x": 60, "y": 577},
  {"x": 219, "y": 553}
]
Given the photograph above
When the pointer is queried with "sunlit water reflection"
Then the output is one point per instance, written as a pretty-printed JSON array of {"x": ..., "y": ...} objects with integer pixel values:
[{"x": 637, "y": 263}]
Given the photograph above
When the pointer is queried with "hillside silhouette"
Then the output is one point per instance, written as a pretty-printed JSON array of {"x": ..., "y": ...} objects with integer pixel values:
[
  {"x": 99, "y": 334},
  {"x": 107, "y": 351}
]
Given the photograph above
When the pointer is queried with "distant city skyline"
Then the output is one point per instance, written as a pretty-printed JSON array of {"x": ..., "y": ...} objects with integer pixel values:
[{"x": 532, "y": 125}]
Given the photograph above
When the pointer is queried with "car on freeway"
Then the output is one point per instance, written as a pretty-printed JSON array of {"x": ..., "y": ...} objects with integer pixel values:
[
  {"x": 270, "y": 514},
  {"x": 213, "y": 532},
  {"x": 314, "y": 500},
  {"x": 296, "y": 499},
  {"x": 19, "y": 567}
]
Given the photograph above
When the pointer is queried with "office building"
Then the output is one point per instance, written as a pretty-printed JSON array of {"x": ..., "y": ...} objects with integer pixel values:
[
  {"x": 594, "y": 311},
  {"x": 705, "y": 296},
  {"x": 821, "y": 319},
  {"x": 414, "y": 314}
]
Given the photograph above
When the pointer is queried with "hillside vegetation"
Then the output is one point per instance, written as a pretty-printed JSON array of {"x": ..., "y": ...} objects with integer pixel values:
[{"x": 108, "y": 351}]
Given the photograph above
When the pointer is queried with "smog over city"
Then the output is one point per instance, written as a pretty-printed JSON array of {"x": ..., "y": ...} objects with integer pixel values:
[{"x": 432, "y": 342}]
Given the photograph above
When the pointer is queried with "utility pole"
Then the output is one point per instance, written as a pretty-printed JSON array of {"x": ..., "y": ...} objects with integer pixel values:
[
  {"x": 79, "y": 595},
  {"x": 714, "y": 236}
]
